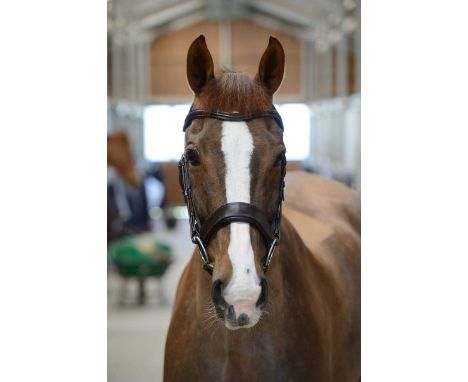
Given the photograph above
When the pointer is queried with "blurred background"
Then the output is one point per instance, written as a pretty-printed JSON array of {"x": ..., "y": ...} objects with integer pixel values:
[{"x": 148, "y": 98}]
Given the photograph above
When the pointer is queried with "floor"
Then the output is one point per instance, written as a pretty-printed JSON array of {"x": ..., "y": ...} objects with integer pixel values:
[{"x": 136, "y": 334}]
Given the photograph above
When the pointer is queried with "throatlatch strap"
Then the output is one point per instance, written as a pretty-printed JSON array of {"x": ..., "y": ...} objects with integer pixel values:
[{"x": 236, "y": 212}]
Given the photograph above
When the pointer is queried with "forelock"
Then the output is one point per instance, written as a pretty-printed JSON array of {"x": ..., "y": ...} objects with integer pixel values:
[{"x": 233, "y": 91}]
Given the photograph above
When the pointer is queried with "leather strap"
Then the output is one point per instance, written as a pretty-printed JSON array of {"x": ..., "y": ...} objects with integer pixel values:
[
  {"x": 236, "y": 212},
  {"x": 234, "y": 117}
]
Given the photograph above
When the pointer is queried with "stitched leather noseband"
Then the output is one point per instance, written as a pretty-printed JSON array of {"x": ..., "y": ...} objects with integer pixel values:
[{"x": 231, "y": 212}]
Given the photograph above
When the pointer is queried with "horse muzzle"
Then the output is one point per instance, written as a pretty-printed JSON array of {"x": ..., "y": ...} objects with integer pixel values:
[{"x": 239, "y": 310}]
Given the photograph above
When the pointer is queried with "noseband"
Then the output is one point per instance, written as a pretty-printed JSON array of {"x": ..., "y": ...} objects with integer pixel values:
[{"x": 231, "y": 212}]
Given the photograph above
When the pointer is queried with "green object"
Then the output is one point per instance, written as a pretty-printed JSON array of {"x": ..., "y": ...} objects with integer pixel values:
[{"x": 140, "y": 256}]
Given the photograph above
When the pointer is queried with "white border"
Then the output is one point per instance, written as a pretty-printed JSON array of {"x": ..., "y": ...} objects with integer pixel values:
[
  {"x": 414, "y": 191},
  {"x": 53, "y": 191}
]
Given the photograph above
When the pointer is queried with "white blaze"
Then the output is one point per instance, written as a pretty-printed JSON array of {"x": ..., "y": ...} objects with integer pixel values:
[{"x": 243, "y": 290}]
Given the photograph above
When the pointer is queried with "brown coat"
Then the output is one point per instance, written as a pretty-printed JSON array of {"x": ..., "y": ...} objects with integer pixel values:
[{"x": 311, "y": 327}]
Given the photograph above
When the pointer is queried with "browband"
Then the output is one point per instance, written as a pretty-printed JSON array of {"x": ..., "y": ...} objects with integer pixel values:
[
  {"x": 231, "y": 116},
  {"x": 236, "y": 212}
]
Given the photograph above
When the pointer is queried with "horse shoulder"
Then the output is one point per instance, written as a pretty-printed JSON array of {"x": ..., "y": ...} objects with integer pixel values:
[
  {"x": 326, "y": 216},
  {"x": 323, "y": 210},
  {"x": 178, "y": 341}
]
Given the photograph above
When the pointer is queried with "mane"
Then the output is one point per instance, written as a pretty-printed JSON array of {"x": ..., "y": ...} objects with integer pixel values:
[{"x": 234, "y": 91}]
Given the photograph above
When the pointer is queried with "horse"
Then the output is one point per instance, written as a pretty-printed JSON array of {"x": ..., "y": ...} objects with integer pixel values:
[
  {"x": 119, "y": 156},
  {"x": 272, "y": 293}
]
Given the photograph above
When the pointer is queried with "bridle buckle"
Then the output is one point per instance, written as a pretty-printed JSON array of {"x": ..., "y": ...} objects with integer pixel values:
[
  {"x": 203, "y": 254},
  {"x": 269, "y": 256}
]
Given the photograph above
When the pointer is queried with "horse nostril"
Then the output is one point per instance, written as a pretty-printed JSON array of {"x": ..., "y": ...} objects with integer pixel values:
[
  {"x": 243, "y": 319},
  {"x": 231, "y": 315},
  {"x": 217, "y": 293},
  {"x": 263, "y": 294}
]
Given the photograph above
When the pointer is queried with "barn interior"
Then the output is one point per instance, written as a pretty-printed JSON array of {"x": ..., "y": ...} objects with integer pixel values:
[{"x": 148, "y": 98}]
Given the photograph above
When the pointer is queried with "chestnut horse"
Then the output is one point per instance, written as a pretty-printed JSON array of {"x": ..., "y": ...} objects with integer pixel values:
[
  {"x": 119, "y": 155},
  {"x": 235, "y": 318}
]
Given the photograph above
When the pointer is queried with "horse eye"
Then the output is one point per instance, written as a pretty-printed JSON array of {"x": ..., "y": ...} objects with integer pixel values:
[
  {"x": 280, "y": 158},
  {"x": 193, "y": 156}
]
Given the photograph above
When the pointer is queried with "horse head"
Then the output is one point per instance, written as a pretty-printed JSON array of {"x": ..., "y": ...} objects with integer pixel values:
[
  {"x": 120, "y": 156},
  {"x": 235, "y": 156}
]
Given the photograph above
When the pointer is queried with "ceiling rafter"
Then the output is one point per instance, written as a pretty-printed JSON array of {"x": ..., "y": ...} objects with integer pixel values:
[
  {"x": 169, "y": 14},
  {"x": 300, "y": 18}
]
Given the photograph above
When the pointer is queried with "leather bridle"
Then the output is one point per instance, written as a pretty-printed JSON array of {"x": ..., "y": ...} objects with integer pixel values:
[
  {"x": 231, "y": 212},
  {"x": 231, "y": 116}
]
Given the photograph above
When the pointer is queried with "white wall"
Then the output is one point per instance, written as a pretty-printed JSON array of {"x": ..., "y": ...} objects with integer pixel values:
[{"x": 336, "y": 137}]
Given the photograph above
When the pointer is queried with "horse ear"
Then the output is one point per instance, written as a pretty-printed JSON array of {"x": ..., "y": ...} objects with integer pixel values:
[
  {"x": 200, "y": 68},
  {"x": 271, "y": 68}
]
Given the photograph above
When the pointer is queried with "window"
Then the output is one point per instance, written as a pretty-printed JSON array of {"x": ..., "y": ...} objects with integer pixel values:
[
  {"x": 163, "y": 138},
  {"x": 296, "y": 121}
]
